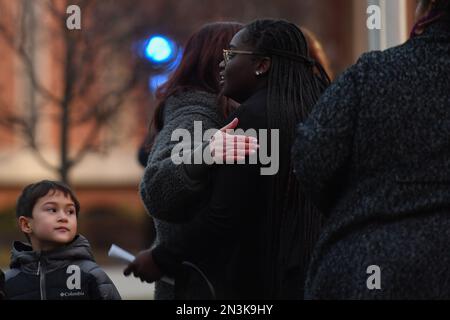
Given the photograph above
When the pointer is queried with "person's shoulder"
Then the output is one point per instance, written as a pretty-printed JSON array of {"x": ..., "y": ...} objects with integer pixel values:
[
  {"x": 382, "y": 59},
  {"x": 356, "y": 74},
  {"x": 363, "y": 64},
  {"x": 99, "y": 280},
  {"x": 92, "y": 268},
  {"x": 86, "y": 266},
  {"x": 189, "y": 103},
  {"x": 11, "y": 274}
]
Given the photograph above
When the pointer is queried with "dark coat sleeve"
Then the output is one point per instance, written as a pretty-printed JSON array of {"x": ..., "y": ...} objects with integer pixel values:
[
  {"x": 166, "y": 188},
  {"x": 324, "y": 140}
]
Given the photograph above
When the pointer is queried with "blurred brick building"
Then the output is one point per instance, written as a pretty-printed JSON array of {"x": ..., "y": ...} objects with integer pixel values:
[{"x": 107, "y": 182}]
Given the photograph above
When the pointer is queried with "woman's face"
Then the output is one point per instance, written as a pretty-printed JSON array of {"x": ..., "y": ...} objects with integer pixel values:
[{"x": 238, "y": 76}]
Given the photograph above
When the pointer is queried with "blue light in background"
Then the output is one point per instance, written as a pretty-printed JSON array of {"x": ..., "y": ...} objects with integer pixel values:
[
  {"x": 176, "y": 62},
  {"x": 154, "y": 82},
  {"x": 157, "y": 80},
  {"x": 165, "y": 56},
  {"x": 159, "y": 49}
]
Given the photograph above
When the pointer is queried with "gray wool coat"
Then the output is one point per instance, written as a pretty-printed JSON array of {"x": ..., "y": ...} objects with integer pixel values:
[
  {"x": 170, "y": 195},
  {"x": 375, "y": 155}
]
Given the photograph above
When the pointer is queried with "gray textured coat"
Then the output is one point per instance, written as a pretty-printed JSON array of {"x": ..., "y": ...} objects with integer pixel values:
[
  {"x": 375, "y": 154},
  {"x": 169, "y": 194}
]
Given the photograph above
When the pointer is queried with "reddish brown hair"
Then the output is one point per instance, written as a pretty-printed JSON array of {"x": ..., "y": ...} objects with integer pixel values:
[
  {"x": 199, "y": 66},
  {"x": 316, "y": 51}
]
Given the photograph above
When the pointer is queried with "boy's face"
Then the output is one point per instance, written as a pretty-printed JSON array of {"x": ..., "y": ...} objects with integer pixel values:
[{"x": 53, "y": 222}]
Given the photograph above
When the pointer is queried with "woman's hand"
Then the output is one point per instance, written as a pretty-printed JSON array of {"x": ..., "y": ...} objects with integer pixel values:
[
  {"x": 228, "y": 147},
  {"x": 144, "y": 267}
]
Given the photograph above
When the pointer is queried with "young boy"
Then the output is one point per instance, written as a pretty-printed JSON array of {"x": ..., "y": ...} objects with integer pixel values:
[{"x": 59, "y": 263}]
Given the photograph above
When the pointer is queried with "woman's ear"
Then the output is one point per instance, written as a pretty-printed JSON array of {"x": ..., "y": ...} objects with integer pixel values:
[
  {"x": 263, "y": 66},
  {"x": 25, "y": 224}
]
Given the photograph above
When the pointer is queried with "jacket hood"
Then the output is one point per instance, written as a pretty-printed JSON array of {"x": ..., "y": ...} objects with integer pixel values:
[{"x": 24, "y": 258}]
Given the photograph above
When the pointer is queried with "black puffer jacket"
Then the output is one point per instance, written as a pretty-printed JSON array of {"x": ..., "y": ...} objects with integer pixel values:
[
  {"x": 69, "y": 273},
  {"x": 2, "y": 285}
]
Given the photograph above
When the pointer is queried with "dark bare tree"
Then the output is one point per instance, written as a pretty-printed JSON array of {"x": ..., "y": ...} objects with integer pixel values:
[{"x": 95, "y": 68}]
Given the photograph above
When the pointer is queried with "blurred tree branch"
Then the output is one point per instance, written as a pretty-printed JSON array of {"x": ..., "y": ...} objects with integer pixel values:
[{"x": 96, "y": 72}]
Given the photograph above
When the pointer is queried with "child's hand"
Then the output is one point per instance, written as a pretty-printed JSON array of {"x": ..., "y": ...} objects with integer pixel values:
[{"x": 144, "y": 267}]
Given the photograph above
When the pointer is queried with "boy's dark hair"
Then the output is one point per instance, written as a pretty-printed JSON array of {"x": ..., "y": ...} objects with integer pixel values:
[{"x": 31, "y": 194}]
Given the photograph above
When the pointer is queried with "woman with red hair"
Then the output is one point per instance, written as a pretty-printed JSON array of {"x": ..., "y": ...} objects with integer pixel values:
[
  {"x": 317, "y": 52},
  {"x": 172, "y": 192}
]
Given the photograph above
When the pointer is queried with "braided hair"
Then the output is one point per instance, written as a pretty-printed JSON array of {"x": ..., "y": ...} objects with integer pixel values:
[{"x": 295, "y": 82}]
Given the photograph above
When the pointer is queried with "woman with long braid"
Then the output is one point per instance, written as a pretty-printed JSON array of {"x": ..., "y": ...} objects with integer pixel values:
[
  {"x": 257, "y": 230},
  {"x": 375, "y": 156},
  {"x": 277, "y": 85}
]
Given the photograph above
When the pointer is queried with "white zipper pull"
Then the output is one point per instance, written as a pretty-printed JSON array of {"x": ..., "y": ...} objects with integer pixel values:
[{"x": 39, "y": 267}]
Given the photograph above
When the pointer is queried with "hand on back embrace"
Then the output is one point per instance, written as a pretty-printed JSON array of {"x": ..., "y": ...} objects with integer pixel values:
[{"x": 226, "y": 147}]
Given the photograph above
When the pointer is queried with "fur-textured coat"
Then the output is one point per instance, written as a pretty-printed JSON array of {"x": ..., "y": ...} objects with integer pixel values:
[
  {"x": 375, "y": 155},
  {"x": 169, "y": 194}
]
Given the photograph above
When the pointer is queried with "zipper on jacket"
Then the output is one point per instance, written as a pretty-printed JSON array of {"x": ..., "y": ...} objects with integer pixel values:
[{"x": 41, "y": 272}]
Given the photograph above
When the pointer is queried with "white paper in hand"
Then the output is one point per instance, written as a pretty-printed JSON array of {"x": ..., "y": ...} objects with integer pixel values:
[{"x": 118, "y": 253}]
